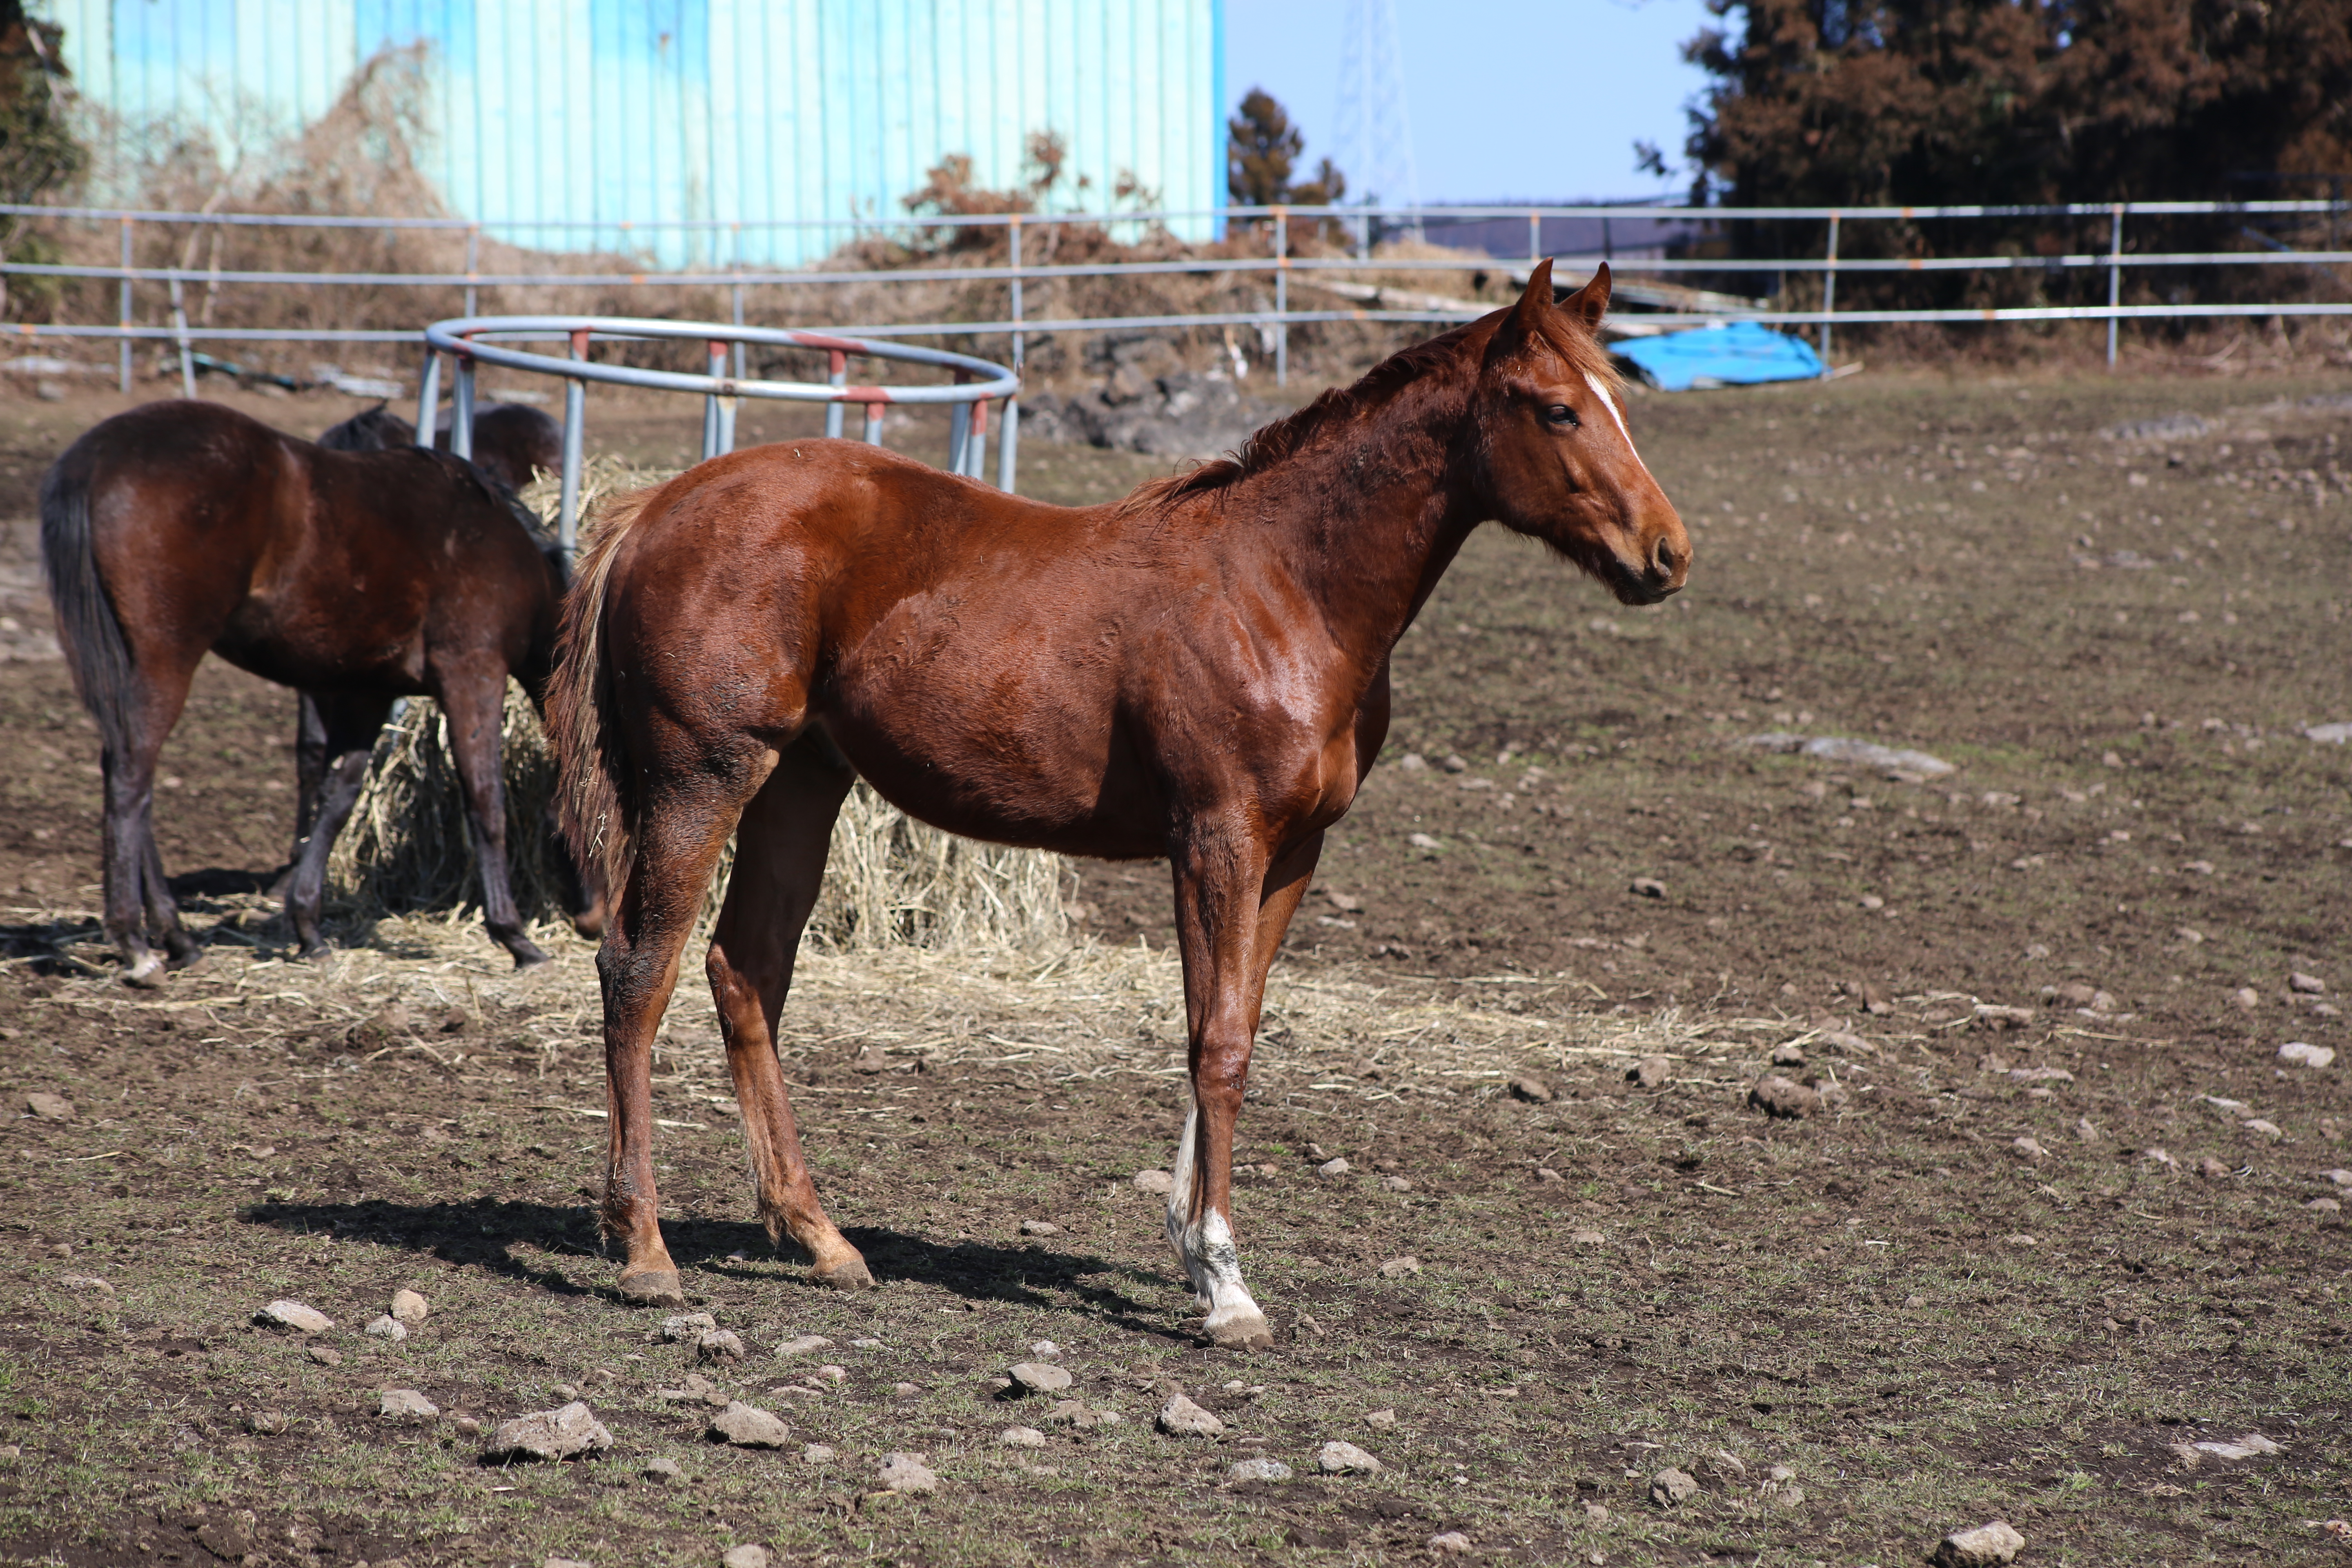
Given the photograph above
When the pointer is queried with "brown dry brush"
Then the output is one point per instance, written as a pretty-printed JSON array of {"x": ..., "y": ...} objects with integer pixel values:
[{"x": 891, "y": 881}]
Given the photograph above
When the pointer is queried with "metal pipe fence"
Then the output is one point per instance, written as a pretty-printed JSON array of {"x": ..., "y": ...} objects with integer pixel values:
[
  {"x": 1242, "y": 224},
  {"x": 473, "y": 341}
]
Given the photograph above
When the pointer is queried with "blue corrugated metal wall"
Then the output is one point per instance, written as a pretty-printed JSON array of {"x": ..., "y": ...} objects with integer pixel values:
[{"x": 631, "y": 111}]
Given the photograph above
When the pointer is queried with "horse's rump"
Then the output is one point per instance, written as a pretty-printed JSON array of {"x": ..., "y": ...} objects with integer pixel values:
[{"x": 96, "y": 650}]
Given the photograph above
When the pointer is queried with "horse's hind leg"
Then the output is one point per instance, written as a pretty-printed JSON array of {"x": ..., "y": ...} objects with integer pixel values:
[
  {"x": 310, "y": 778},
  {"x": 477, "y": 710},
  {"x": 350, "y": 724},
  {"x": 685, "y": 821},
  {"x": 138, "y": 900},
  {"x": 780, "y": 851}
]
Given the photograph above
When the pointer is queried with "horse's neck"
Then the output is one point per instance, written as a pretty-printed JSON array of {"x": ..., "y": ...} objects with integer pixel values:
[{"x": 1368, "y": 521}]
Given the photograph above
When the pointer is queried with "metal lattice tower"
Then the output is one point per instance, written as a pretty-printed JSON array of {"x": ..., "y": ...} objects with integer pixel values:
[{"x": 1374, "y": 139}]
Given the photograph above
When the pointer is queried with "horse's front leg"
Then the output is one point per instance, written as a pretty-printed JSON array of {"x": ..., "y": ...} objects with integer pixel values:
[{"x": 1232, "y": 909}]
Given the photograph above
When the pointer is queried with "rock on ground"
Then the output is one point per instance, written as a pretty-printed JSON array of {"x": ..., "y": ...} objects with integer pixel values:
[
  {"x": 1784, "y": 1097},
  {"x": 1022, "y": 1438},
  {"x": 907, "y": 1473},
  {"x": 387, "y": 1327},
  {"x": 1982, "y": 1547},
  {"x": 1339, "y": 1458},
  {"x": 408, "y": 1307},
  {"x": 1384, "y": 1420},
  {"x": 1156, "y": 1183},
  {"x": 1259, "y": 1471},
  {"x": 749, "y": 1427},
  {"x": 1532, "y": 1090},
  {"x": 2302, "y": 1054},
  {"x": 804, "y": 1344},
  {"x": 406, "y": 1404},
  {"x": 1671, "y": 1486},
  {"x": 1040, "y": 1228},
  {"x": 817, "y": 1454},
  {"x": 661, "y": 1470},
  {"x": 719, "y": 1345},
  {"x": 50, "y": 1107},
  {"x": 1450, "y": 1543},
  {"x": 1332, "y": 1168},
  {"x": 744, "y": 1556},
  {"x": 549, "y": 1435},
  {"x": 1179, "y": 1417},
  {"x": 1038, "y": 1377},
  {"x": 267, "y": 1422},
  {"x": 85, "y": 1282},
  {"x": 681, "y": 1327},
  {"x": 294, "y": 1316},
  {"x": 1399, "y": 1267}
]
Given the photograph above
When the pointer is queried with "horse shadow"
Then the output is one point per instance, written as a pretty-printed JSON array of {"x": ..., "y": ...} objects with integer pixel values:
[{"x": 485, "y": 1232}]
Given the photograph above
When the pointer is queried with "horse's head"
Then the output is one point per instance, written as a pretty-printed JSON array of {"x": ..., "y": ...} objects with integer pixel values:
[{"x": 1557, "y": 461}]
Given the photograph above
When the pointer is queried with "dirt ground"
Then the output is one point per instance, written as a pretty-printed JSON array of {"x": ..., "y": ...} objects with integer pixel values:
[{"x": 2059, "y": 1214}]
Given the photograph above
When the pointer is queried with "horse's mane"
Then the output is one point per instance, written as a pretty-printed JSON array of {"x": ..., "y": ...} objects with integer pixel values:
[{"x": 1283, "y": 437}]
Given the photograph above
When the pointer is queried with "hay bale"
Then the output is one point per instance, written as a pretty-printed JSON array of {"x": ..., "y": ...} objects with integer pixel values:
[{"x": 891, "y": 881}]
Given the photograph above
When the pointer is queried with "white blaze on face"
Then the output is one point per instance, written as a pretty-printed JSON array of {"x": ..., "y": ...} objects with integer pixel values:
[{"x": 1610, "y": 403}]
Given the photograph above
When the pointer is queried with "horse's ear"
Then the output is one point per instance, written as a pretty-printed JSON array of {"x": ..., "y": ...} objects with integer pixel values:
[
  {"x": 1590, "y": 303},
  {"x": 1527, "y": 317}
]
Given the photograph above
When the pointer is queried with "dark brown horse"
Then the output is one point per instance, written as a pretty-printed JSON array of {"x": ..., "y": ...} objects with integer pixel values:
[
  {"x": 1200, "y": 671},
  {"x": 356, "y": 578},
  {"x": 512, "y": 441}
]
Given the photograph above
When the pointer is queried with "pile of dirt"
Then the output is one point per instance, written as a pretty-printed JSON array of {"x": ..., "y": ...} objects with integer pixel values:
[{"x": 1143, "y": 399}]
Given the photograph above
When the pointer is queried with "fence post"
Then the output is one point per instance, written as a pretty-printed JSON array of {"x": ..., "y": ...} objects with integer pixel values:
[
  {"x": 874, "y": 425},
  {"x": 838, "y": 376},
  {"x": 711, "y": 447},
  {"x": 959, "y": 432},
  {"x": 740, "y": 347},
  {"x": 180, "y": 333},
  {"x": 575, "y": 418},
  {"x": 2115, "y": 276},
  {"x": 1829, "y": 291},
  {"x": 428, "y": 396},
  {"x": 461, "y": 412},
  {"x": 1005, "y": 443},
  {"x": 976, "y": 441},
  {"x": 1535, "y": 239},
  {"x": 122, "y": 366},
  {"x": 473, "y": 263},
  {"x": 1282, "y": 296}
]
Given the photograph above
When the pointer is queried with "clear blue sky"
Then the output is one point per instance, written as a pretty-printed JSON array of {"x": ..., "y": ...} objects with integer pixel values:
[{"x": 1509, "y": 99}]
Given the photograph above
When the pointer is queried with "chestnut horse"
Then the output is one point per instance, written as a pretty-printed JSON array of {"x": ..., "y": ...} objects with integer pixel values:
[
  {"x": 355, "y": 577},
  {"x": 1199, "y": 671}
]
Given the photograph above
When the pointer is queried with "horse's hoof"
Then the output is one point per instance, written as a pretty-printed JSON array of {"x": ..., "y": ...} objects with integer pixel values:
[
  {"x": 653, "y": 1287},
  {"x": 147, "y": 974},
  {"x": 1245, "y": 1332},
  {"x": 315, "y": 953},
  {"x": 849, "y": 1274},
  {"x": 526, "y": 956}
]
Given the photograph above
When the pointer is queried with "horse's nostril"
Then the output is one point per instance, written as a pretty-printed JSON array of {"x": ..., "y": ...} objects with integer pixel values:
[{"x": 1666, "y": 557}]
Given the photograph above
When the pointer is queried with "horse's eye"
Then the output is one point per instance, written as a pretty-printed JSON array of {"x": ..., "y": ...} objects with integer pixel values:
[{"x": 1561, "y": 414}]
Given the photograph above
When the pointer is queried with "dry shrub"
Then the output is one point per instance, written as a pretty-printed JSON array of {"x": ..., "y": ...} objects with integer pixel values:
[{"x": 889, "y": 881}]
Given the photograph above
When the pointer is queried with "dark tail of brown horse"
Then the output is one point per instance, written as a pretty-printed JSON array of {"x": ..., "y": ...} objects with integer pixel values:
[
  {"x": 598, "y": 805},
  {"x": 94, "y": 644}
]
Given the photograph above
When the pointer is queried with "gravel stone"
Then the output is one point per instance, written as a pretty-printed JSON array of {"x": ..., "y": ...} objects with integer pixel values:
[
  {"x": 1332, "y": 1168},
  {"x": 719, "y": 1345},
  {"x": 1784, "y": 1098},
  {"x": 50, "y": 1107},
  {"x": 1450, "y": 1543},
  {"x": 1259, "y": 1471},
  {"x": 2260, "y": 1128},
  {"x": 387, "y": 1327},
  {"x": 1983, "y": 1547},
  {"x": 1179, "y": 1417},
  {"x": 1789, "y": 1055},
  {"x": 1156, "y": 1183},
  {"x": 747, "y": 1555},
  {"x": 267, "y": 1422},
  {"x": 1652, "y": 1072},
  {"x": 549, "y": 1435},
  {"x": 1022, "y": 1438},
  {"x": 1040, "y": 1228},
  {"x": 907, "y": 1473},
  {"x": 1671, "y": 1486},
  {"x": 1339, "y": 1458},
  {"x": 2306, "y": 985},
  {"x": 1383, "y": 1420},
  {"x": 1647, "y": 887},
  {"x": 749, "y": 1427},
  {"x": 1589, "y": 1238},
  {"x": 294, "y": 1316},
  {"x": 408, "y": 1307},
  {"x": 2212, "y": 1170},
  {"x": 2029, "y": 1148},
  {"x": 660, "y": 1469},
  {"x": 85, "y": 1282},
  {"x": 1038, "y": 1377},
  {"x": 816, "y": 1454},
  {"x": 1532, "y": 1090},
  {"x": 1399, "y": 1267},
  {"x": 1396, "y": 1184},
  {"x": 686, "y": 1326},
  {"x": 2302, "y": 1054},
  {"x": 325, "y": 1356},
  {"x": 406, "y": 1404},
  {"x": 805, "y": 1345}
]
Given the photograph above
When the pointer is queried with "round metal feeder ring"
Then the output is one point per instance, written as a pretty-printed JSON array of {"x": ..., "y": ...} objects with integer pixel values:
[{"x": 475, "y": 340}]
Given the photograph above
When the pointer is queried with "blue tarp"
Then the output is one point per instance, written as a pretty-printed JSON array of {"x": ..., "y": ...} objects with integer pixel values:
[{"x": 1740, "y": 353}]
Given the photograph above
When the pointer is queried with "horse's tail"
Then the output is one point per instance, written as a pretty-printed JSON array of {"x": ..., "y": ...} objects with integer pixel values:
[
  {"x": 598, "y": 805},
  {"x": 94, "y": 645}
]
